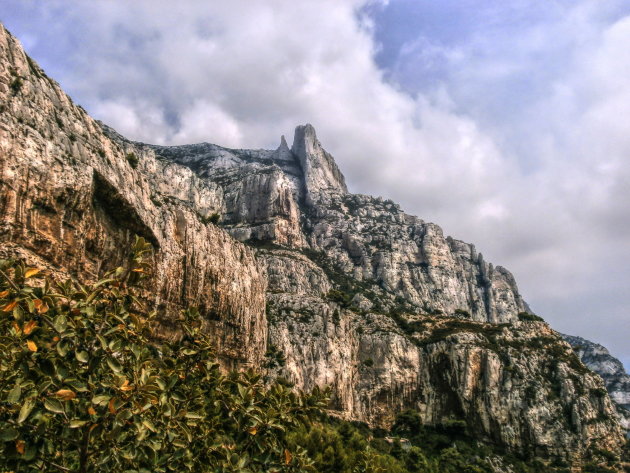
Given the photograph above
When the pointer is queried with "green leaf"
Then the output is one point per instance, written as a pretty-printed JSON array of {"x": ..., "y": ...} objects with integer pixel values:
[
  {"x": 53, "y": 405},
  {"x": 160, "y": 382},
  {"x": 115, "y": 345},
  {"x": 26, "y": 409},
  {"x": 76, "y": 423},
  {"x": 102, "y": 282},
  {"x": 8, "y": 434},
  {"x": 92, "y": 296},
  {"x": 78, "y": 386},
  {"x": 31, "y": 452},
  {"x": 47, "y": 367},
  {"x": 149, "y": 425},
  {"x": 60, "y": 323},
  {"x": 115, "y": 366},
  {"x": 63, "y": 347},
  {"x": 102, "y": 341},
  {"x": 14, "y": 395},
  {"x": 82, "y": 356},
  {"x": 101, "y": 400},
  {"x": 178, "y": 396}
]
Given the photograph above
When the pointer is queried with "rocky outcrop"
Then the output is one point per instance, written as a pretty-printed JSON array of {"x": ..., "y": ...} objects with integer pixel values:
[
  {"x": 598, "y": 359},
  {"x": 294, "y": 273},
  {"x": 321, "y": 176},
  {"x": 264, "y": 198},
  {"x": 73, "y": 197},
  {"x": 515, "y": 384}
]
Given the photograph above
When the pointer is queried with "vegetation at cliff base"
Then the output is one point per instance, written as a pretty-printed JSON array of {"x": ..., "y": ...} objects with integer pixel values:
[{"x": 84, "y": 387}]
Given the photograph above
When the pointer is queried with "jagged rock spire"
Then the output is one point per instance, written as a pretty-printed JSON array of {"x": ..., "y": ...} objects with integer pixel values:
[
  {"x": 283, "y": 152},
  {"x": 321, "y": 173}
]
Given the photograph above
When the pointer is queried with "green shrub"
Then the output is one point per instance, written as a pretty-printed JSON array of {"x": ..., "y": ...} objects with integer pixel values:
[
  {"x": 84, "y": 387},
  {"x": 462, "y": 313},
  {"x": 342, "y": 298},
  {"x": 132, "y": 159},
  {"x": 16, "y": 85},
  {"x": 275, "y": 357},
  {"x": 58, "y": 120},
  {"x": 214, "y": 219},
  {"x": 527, "y": 317},
  {"x": 599, "y": 392}
]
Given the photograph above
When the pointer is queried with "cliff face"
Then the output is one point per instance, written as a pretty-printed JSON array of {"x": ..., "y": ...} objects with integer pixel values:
[
  {"x": 391, "y": 314},
  {"x": 598, "y": 359},
  {"x": 299, "y": 199},
  {"x": 72, "y": 198},
  {"x": 300, "y": 277}
]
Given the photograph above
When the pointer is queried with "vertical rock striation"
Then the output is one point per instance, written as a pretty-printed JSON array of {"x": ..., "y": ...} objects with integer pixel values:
[{"x": 72, "y": 197}]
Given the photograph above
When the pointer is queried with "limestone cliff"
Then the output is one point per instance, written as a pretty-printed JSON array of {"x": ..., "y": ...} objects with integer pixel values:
[
  {"x": 73, "y": 198},
  {"x": 295, "y": 274},
  {"x": 598, "y": 359},
  {"x": 392, "y": 314}
]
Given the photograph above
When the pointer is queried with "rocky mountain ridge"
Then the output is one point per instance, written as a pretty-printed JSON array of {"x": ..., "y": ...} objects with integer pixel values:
[
  {"x": 369, "y": 238},
  {"x": 295, "y": 275}
]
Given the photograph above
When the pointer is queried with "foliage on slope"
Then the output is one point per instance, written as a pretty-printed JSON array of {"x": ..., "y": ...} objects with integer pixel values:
[
  {"x": 85, "y": 388},
  {"x": 337, "y": 446}
]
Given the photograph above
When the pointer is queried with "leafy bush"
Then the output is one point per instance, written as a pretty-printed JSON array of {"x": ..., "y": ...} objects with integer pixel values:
[
  {"x": 368, "y": 362},
  {"x": 462, "y": 313},
  {"x": 339, "y": 447},
  {"x": 275, "y": 357},
  {"x": 342, "y": 298},
  {"x": 132, "y": 159},
  {"x": 214, "y": 219},
  {"x": 84, "y": 388},
  {"x": 16, "y": 85},
  {"x": 599, "y": 392},
  {"x": 527, "y": 317}
]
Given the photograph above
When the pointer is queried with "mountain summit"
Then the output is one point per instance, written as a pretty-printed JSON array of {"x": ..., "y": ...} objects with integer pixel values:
[{"x": 321, "y": 173}]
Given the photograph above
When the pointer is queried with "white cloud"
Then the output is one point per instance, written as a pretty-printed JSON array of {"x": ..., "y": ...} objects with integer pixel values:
[{"x": 552, "y": 95}]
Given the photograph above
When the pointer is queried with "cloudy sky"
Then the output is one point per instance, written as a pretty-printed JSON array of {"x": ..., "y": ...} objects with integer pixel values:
[{"x": 505, "y": 121}]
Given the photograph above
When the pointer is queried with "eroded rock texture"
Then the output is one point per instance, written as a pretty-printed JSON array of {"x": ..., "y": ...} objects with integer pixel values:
[
  {"x": 360, "y": 296},
  {"x": 72, "y": 197}
]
